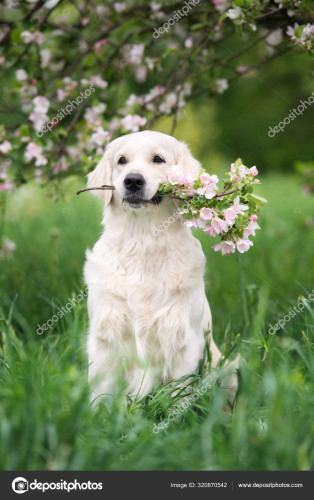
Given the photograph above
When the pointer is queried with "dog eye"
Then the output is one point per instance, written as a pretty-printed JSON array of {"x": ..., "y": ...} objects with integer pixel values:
[
  {"x": 122, "y": 160},
  {"x": 158, "y": 159}
]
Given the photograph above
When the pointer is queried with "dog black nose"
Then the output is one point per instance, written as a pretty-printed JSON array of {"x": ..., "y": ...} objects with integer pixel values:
[{"x": 134, "y": 182}]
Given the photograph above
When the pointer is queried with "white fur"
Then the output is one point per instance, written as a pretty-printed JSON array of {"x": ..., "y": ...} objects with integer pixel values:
[{"x": 146, "y": 302}]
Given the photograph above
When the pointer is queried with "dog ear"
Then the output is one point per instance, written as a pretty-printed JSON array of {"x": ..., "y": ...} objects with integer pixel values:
[
  {"x": 102, "y": 174},
  {"x": 184, "y": 158}
]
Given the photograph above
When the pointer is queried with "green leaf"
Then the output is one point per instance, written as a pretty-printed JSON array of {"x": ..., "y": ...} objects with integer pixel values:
[
  {"x": 90, "y": 60},
  {"x": 238, "y": 162},
  {"x": 198, "y": 26},
  {"x": 169, "y": 52},
  {"x": 16, "y": 35},
  {"x": 298, "y": 30},
  {"x": 261, "y": 200},
  {"x": 24, "y": 129}
]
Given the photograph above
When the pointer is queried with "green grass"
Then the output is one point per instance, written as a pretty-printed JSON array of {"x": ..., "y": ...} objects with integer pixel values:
[{"x": 46, "y": 421}]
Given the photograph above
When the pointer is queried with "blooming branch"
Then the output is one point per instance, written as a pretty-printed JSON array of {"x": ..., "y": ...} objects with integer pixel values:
[{"x": 218, "y": 212}]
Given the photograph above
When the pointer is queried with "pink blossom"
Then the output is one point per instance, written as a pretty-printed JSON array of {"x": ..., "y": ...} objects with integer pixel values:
[
  {"x": 241, "y": 68},
  {"x": 211, "y": 191},
  {"x": 210, "y": 230},
  {"x": 230, "y": 215},
  {"x": 169, "y": 103},
  {"x": 21, "y": 75},
  {"x": 60, "y": 166},
  {"x": 253, "y": 171},
  {"x": 7, "y": 248},
  {"x": 38, "y": 119},
  {"x": 221, "y": 85},
  {"x": 36, "y": 37},
  {"x": 200, "y": 223},
  {"x": 207, "y": 179},
  {"x": 114, "y": 125},
  {"x": 226, "y": 247},
  {"x": 219, "y": 225},
  {"x": 99, "y": 44},
  {"x": 206, "y": 213},
  {"x": 187, "y": 180},
  {"x": 221, "y": 5},
  {"x": 45, "y": 55},
  {"x": 34, "y": 152},
  {"x": 191, "y": 223},
  {"x": 69, "y": 83},
  {"x": 154, "y": 93},
  {"x": 5, "y": 147},
  {"x": 155, "y": 6},
  {"x": 250, "y": 229},
  {"x": 134, "y": 53},
  {"x": 244, "y": 245},
  {"x": 141, "y": 74},
  {"x": 41, "y": 104},
  {"x": 133, "y": 100},
  {"x": 302, "y": 38},
  {"x": 62, "y": 94},
  {"x": 94, "y": 114},
  {"x": 98, "y": 82},
  {"x": 4, "y": 166},
  {"x": 188, "y": 43},
  {"x": 8, "y": 186},
  {"x": 27, "y": 36},
  {"x": 119, "y": 6},
  {"x": 133, "y": 122},
  {"x": 239, "y": 173},
  {"x": 253, "y": 218},
  {"x": 239, "y": 209},
  {"x": 100, "y": 137},
  {"x": 213, "y": 179},
  {"x": 175, "y": 175}
]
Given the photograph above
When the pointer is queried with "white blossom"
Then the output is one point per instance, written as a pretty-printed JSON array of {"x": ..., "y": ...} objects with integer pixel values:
[
  {"x": 221, "y": 84},
  {"x": 21, "y": 75},
  {"x": 133, "y": 122}
]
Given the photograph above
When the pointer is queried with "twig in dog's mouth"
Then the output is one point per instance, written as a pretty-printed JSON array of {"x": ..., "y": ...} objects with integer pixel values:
[
  {"x": 157, "y": 198},
  {"x": 103, "y": 187},
  {"x": 154, "y": 201}
]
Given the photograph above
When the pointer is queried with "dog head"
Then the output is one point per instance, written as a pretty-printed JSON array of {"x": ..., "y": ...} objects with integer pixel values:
[{"x": 136, "y": 164}]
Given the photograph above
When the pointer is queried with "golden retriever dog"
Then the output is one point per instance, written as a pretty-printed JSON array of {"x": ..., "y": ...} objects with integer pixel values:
[{"x": 147, "y": 305}]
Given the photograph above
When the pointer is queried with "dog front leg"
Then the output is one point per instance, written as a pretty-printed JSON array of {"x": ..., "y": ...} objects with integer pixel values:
[{"x": 102, "y": 372}]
